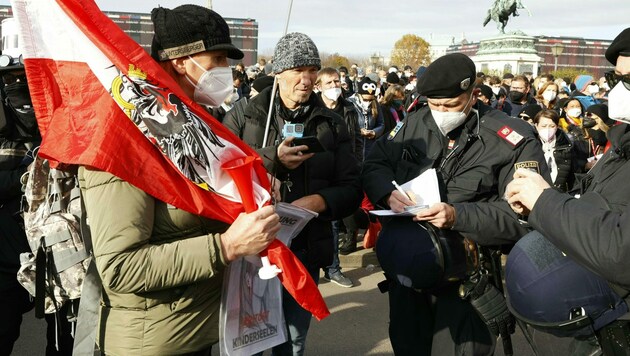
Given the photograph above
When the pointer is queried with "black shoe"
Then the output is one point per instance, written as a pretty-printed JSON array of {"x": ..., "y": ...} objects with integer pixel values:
[{"x": 347, "y": 243}]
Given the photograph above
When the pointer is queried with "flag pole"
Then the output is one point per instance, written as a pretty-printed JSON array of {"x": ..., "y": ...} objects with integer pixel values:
[{"x": 275, "y": 85}]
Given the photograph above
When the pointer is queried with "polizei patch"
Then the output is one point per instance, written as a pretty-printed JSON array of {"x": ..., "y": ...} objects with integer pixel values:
[{"x": 529, "y": 165}]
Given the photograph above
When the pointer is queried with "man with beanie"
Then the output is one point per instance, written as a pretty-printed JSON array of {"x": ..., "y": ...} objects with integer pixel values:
[
  {"x": 162, "y": 267},
  {"x": 591, "y": 239},
  {"x": 324, "y": 181},
  {"x": 474, "y": 150}
]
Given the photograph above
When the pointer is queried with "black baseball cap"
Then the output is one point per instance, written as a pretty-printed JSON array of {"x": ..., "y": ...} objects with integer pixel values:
[{"x": 189, "y": 29}]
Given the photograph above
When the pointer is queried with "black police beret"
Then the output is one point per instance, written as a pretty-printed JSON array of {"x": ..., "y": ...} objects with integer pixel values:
[
  {"x": 447, "y": 77},
  {"x": 189, "y": 29},
  {"x": 619, "y": 46}
]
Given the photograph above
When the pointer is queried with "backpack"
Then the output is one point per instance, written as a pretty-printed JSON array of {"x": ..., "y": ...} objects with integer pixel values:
[{"x": 55, "y": 269}]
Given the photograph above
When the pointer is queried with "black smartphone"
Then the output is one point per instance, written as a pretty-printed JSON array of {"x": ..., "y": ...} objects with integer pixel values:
[{"x": 311, "y": 141}]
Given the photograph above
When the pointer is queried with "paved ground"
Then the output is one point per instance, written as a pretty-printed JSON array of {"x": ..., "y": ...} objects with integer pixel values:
[{"x": 357, "y": 326}]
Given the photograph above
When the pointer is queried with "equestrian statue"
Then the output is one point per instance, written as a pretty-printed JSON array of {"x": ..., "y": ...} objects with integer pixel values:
[{"x": 501, "y": 10}]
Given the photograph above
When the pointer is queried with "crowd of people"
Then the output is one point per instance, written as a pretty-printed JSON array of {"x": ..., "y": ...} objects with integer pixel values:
[{"x": 532, "y": 167}]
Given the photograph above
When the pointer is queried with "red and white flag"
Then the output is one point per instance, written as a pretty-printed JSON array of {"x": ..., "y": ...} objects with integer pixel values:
[{"x": 102, "y": 101}]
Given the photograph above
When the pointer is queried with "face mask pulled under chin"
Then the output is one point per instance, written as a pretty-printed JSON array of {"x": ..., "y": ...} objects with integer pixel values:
[
  {"x": 214, "y": 85},
  {"x": 448, "y": 121},
  {"x": 619, "y": 103}
]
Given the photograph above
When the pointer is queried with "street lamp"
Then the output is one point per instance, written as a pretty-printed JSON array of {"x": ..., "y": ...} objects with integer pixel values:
[
  {"x": 375, "y": 59},
  {"x": 556, "y": 50}
]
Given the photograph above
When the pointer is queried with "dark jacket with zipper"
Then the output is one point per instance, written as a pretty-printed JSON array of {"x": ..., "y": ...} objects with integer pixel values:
[
  {"x": 594, "y": 230},
  {"x": 474, "y": 173},
  {"x": 333, "y": 174},
  {"x": 350, "y": 115}
]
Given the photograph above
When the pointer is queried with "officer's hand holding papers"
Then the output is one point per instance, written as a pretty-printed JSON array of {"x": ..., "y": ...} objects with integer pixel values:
[{"x": 412, "y": 197}]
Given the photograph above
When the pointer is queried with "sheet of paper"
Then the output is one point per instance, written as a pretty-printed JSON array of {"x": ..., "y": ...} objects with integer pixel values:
[
  {"x": 293, "y": 219},
  {"x": 426, "y": 192}
]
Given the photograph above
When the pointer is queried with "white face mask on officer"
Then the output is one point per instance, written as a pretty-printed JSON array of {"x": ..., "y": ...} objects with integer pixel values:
[
  {"x": 214, "y": 85},
  {"x": 448, "y": 121},
  {"x": 332, "y": 93},
  {"x": 619, "y": 103}
]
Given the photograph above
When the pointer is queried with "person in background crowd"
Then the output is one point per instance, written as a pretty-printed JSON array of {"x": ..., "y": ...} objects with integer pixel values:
[
  {"x": 571, "y": 118},
  {"x": 391, "y": 79},
  {"x": 413, "y": 101},
  {"x": 547, "y": 95},
  {"x": 518, "y": 96},
  {"x": 392, "y": 105},
  {"x": 329, "y": 86},
  {"x": 161, "y": 267},
  {"x": 260, "y": 84},
  {"x": 541, "y": 80},
  {"x": 506, "y": 82},
  {"x": 529, "y": 112},
  {"x": 582, "y": 83},
  {"x": 346, "y": 82},
  {"x": 595, "y": 124},
  {"x": 407, "y": 71},
  {"x": 382, "y": 75},
  {"x": 486, "y": 96},
  {"x": 370, "y": 114},
  {"x": 323, "y": 182},
  {"x": 583, "y": 257},
  {"x": 246, "y": 84},
  {"x": 559, "y": 152}
]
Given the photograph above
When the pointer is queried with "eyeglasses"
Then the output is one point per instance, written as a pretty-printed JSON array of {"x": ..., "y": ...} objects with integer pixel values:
[{"x": 613, "y": 78}]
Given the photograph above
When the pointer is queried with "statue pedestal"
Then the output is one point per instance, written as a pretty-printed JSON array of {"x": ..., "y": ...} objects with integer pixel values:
[{"x": 514, "y": 53}]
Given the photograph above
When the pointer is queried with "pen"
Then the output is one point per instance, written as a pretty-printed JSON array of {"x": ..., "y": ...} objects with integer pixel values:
[{"x": 399, "y": 188}]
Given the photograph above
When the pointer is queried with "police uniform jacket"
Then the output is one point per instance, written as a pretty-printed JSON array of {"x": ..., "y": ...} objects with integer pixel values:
[
  {"x": 333, "y": 174},
  {"x": 594, "y": 229},
  {"x": 475, "y": 172}
]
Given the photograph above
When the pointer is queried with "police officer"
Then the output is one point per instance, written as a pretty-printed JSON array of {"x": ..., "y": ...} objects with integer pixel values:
[
  {"x": 475, "y": 150},
  {"x": 593, "y": 231}
]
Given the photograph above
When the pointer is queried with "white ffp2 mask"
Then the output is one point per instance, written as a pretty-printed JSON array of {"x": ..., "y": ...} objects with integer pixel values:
[{"x": 214, "y": 85}]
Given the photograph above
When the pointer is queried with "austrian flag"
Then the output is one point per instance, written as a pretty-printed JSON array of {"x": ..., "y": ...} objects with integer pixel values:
[{"x": 102, "y": 101}]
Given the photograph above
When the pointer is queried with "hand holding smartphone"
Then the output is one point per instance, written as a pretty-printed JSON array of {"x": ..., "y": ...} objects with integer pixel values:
[{"x": 311, "y": 141}]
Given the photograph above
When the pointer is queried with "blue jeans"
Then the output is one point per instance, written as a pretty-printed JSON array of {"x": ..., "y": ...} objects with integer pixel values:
[
  {"x": 334, "y": 267},
  {"x": 297, "y": 319}
]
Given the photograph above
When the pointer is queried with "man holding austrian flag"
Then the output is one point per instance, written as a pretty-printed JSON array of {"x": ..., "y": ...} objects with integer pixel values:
[{"x": 165, "y": 212}]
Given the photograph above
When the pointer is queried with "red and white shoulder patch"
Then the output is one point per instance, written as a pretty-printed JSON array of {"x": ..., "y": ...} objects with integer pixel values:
[{"x": 511, "y": 136}]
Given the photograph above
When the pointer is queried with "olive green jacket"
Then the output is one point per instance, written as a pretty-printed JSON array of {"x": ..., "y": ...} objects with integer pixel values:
[{"x": 162, "y": 270}]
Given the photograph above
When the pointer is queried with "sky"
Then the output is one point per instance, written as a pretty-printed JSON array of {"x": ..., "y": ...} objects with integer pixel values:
[{"x": 362, "y": 27}]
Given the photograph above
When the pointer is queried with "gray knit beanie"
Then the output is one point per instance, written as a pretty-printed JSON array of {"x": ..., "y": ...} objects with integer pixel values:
[{"x": 295, "y": 50}]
